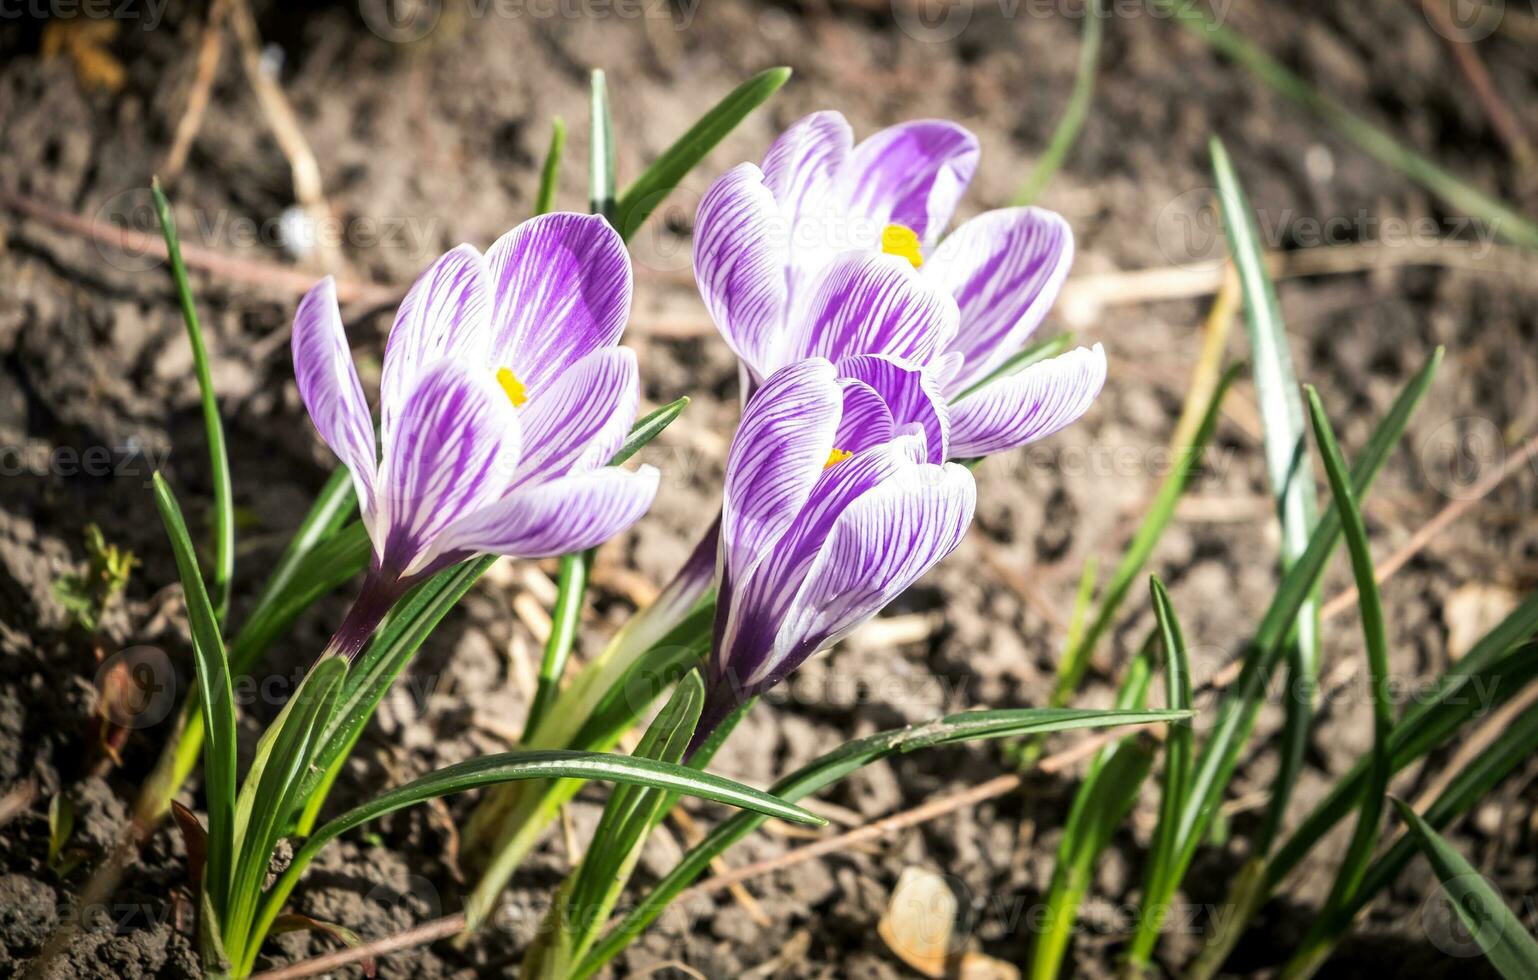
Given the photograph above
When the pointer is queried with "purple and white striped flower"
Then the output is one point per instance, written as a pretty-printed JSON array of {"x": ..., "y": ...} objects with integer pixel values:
[
  {"x": 837, "y": 498},
  {"x": 823, "y": 213},
  {"x": 502, "y": 398}
]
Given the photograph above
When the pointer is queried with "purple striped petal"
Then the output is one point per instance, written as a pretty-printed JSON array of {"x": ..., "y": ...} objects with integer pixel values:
[
  {"x": 1027, "y": 406},
  {"x": 879, "y": 546},
  {"x": 562, "y": 290},
  {"x": 1005, "y": 269},
  {"x": 454, "y": 451},
  {"x": 912, "y": 397},
  {"x": 569, "y": 514},
  {"x": 579, "y": 422},
  {"x": 865, "y": 421},
  {"x": 865, "y": 303},
  {"x": 804, "y": 160},
  {"x": 911, "y": 174},
  {"x": 330, "y": 389},
  {"x": 777, "y": 455},
  {"x": 447, "y": 313},
  {"x": 741, "y": 257}
]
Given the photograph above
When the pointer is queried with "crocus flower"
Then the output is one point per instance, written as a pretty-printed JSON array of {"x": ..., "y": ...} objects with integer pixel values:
[
  {"x": 822, "y": 210},
  {"x": 837, "y": 498},
  {"x": 502, "y": 399}
]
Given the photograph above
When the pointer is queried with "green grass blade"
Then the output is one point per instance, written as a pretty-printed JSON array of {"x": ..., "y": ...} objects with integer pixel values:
[
  {"x": 600, "y": 161},
  {"x": 1353, "y": 867},
  {"x": 657, "y": 181},
  {"x": 1105, "y": 797},
  {"x": 1178, "y": 747},
  {"x": 1376, "y": 142},
  {"x": 1241, "y": 703},
  {"x": 322, "y": 570},
  {"x": 218, "y": 456},
  {"x": 571, "y": 586},
  {"x": 218, "y": 704},
  {"x": 1481, "y": 774},
  {"x": 1513, "y": 749},
  {"x": 541, "y": 764},
  {"x": 1076, "y": 659},
  {"x": 1292, "y": 485},
  {"x": 1498, "y": 932},
  {"x": 629, "y": 816},
  {"x": 836, "y": 765},
  {"x": 550, "y": 173},
  {"x": 1101, "y": 805},
  {"x": 1492, "y": 671},
  {"x": 649, "y": 427},
  {"x": 270, "y": 797},
  {"x": 1074, "y": 113}
]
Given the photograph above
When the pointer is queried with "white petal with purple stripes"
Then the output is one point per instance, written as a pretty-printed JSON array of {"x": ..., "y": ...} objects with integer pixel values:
[
  {"x": 454, "y": 451},
  {"x": 329, "y": 386},
  {"x": 1005, "y": 269},
  {"x": 569, "y": 514},
  {"x": 870, "y": 303},
  {"x": 776, "y": 457},
  {"x": 562, "y": 287},
  {"x": 741, "y": 258},
  {"x": 581, "y": 419},
  {"x": 1029, "y": 405},
  {"x": 912, "y": 174}
]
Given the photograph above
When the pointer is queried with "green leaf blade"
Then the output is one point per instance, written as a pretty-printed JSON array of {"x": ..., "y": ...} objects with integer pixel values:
[
  {"x": 657, "y": 181},
  {"x": 213, "y": 673},
  {"x": 213, "y": 426}
]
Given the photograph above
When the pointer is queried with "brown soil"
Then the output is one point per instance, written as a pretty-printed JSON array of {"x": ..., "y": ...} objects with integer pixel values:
[{"x": 426, "y": 144}]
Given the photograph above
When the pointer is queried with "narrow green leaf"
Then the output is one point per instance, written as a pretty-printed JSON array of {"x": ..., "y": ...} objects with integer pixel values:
[
  {"x": 1241, "y": 703},
  {"x": 218, "y": 703},
  {"x": 1160, "y": 512},
  {"x": 61, "y": 823},
  {"x": 1492, "y": 671},
  {"x": 649, "y": 427},
  {"x": 1463, "y": 197},
  {"x": 627, "y": 820},
  {"x": 1177, "y": 750},
  {"x": 658, "y": 180},
  {"x": 218, "y": 457},
  {"x": 571, "y": 586},
  {"x": 1074, "y": 113},
  {"x": 834, "y": 766},
  {"x": 542, "y": 764},
  {"x": 600, "y": 165},
  {"x": 550, "y": 173},
  {"x": 270, "y": 797},
  {"x": 1497, "y": 931},
  {"x": 1099, "y": 808},
  {"x": 1292, "y": 486},
  {"x": 1105, "y": 797},
  {"x": 1353, "y": 867},
  {"x": 1480, "y": 775}
]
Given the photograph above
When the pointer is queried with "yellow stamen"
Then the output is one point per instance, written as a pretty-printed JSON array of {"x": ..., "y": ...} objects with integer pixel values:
[
  {"x": 837, "y": 456},
  {"x": 903, "y": 242},
  {"x": 510, "y": 384}
]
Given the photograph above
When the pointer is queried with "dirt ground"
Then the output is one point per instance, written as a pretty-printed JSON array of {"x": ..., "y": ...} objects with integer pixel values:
[{"x": 438, "y": 140}]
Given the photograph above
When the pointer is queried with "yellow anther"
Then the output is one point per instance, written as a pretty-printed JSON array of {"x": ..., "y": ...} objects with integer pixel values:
[
  {"x": 837, "y": 456},
  {"x": 903, "y": 242},
  {"x": 510, "y": 384}
]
